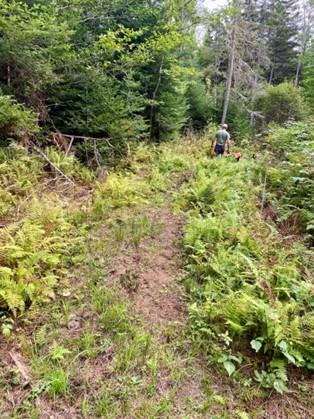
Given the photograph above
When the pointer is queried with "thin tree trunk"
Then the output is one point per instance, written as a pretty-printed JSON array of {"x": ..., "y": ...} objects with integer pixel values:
[
  {"x": 229, "y": 75},
  {"x": 303, "y": 46},
  {"x": 154, "y": 97},
  {"x": 297, "y": 74},
  {"x": 9, "y": 75},
  {"x": 270, "y": 80}
]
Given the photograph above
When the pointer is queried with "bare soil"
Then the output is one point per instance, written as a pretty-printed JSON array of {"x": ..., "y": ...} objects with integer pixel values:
[{"x": 154, "y": 268}]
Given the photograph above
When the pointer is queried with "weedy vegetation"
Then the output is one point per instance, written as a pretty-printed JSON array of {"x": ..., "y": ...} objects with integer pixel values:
[
  {"x": 38, "y": 238},
  {"x": 247, "y": 288},
  {"x": 251, "y": 291}
]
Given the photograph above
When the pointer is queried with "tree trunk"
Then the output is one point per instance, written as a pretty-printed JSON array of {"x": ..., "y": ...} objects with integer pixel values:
[
  {"x": 303, "y": 42},
  {"x": 154, "y": 97},
  {"x": 229, "y": 75},
  {"x": 297, "y": 74},
  {"x": 270, "y": 80}
]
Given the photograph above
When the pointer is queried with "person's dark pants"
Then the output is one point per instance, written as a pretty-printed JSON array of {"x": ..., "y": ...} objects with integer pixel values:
[{"x": 219, "y": 150}]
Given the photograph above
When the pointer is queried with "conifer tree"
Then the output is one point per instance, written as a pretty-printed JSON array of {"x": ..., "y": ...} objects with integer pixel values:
[{"x": 279, "y": 18}]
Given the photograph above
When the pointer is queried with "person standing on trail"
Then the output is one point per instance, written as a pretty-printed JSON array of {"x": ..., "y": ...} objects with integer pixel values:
[{"x": 221, "y": 142}]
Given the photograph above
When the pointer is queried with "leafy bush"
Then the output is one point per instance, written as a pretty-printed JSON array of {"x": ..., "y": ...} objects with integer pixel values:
[
  {"x": 15, "y": 120},
  {"x": 171, "y": 163},
  {"x": 280, "y": 103},
  {"x": 172, "y": 114},
  {"x": 308, "y": 76},
  {"x": 200, "y": 107},
  {"x": 238, "y": 121},
  {"x": 18, "y": 169},
  {"x": 36, "y": 239},
  {"x": 246, "y": 288},
  {"x": 291, "y": 175}
]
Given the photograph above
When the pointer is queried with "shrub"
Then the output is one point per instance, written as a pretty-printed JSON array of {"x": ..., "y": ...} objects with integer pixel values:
[
  {"x": 35, "y": 246},
  {"x": 19, "y": 173},
  {"x": 308, "y": 77},
  {"x": 280, "y": 103},
  {"x": 238, "y": 121},
  {"x": 16, "y": 120},
  {"x": 119, "y": 191},
  {"x": 70, "y": 165},
  {"x": 290, "y": 174}
]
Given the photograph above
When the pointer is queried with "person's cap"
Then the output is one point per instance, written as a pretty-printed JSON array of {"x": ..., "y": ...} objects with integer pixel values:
[{"x": 224, "y": 126}]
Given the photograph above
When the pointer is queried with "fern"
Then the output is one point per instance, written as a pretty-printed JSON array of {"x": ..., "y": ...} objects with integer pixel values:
[
  {"x": 32, "y": 256},
  {"x": 228, "y": 247}
]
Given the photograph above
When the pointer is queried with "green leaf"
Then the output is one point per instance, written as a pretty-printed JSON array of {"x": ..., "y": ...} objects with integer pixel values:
[
  {"x": 6, "y": 272},
  {"x": 280, "y": 386},
  {"x": 219, "y": 399},
  {"x": 230, "y": 367},
  {"x": 6, "y": 331},
  {"x": 256, "y": 345},
  {"x": 289, "y": 357},
  {"x": 283, "y": 346},
  {"x": 310, "y": 365},
  {"x": 59, "y": 353}
]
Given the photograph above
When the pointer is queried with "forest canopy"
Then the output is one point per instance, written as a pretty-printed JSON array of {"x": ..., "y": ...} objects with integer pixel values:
[{"x": 141, "y": 69}]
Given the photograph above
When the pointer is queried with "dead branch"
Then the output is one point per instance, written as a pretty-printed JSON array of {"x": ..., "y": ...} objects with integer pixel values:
[
  {"x": 52, "y": 164},
  {"x": 70, "y": 145},
  {"x": 17, "y": 359},
  {"x": 81, "y": 137}
]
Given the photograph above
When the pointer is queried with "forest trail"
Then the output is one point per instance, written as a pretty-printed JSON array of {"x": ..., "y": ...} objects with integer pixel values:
[
  {"x": 122, "y": 320},
  {"x": 151, "y": 271},
  {"x": 140, "y": 278},
  {"x": 118, "y": 340}
]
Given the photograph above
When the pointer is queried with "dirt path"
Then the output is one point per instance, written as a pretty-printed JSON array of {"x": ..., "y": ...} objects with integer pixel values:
[
  {"x": 152, "y": 270},
  {"x": 148, "y": 275}
]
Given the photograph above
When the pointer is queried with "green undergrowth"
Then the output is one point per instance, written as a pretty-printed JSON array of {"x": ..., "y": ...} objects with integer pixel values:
[
  {"x": 86, "y": 350},
  {"x": 289, "y": 169},
  {"x": 43, "y": 231},
  {"x": 41, "y": 227},
  {"x": 19, "y": 175},
  {"x": 90, "y": 353},
  {"x": 150, "y": 171},
  {"x": 249, "y": 292}
]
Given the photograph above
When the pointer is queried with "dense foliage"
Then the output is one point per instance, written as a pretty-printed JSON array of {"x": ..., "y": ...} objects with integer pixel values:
[
  {"x": 249, "y": 288},
  {"x": 16, "y": 121},
  {"x": 37, "y": 237},
  {"x": 99, "y": 68},
  {"x": 251, "y": 44},
  {"x": 280, "y": 103},
  {"x": 135, "y": 70},
  {"x": 290, "y": 172}
]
